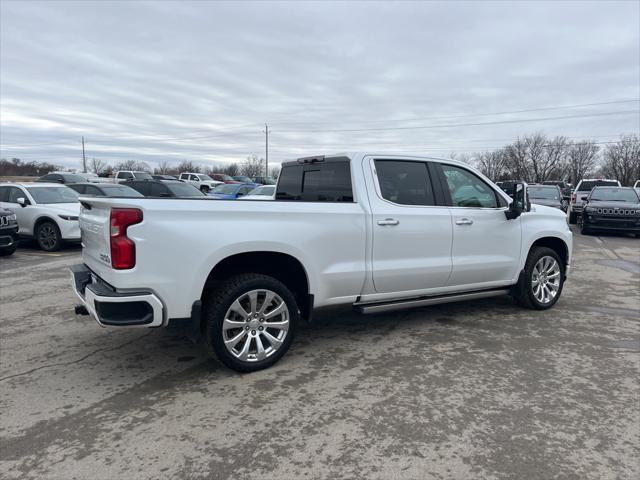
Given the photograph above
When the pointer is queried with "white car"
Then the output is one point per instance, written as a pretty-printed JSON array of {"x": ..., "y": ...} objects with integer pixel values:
[
  {"x": 263, "y": 192},
  {"x": 46, "y": 212},
  {"x": 200, "y": 181},
  {"x": 377, "y": 232}
]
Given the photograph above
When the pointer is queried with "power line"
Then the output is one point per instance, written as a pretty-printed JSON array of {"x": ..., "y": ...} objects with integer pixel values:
[{"x": 497, "y": 122}]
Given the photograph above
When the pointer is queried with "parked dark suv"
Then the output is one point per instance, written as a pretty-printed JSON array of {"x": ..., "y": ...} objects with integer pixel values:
[
  {"x": 614, "y": 209},
  {"x": 164, "y": 188},
  {"x": 8, "y": 232},
  {"x": 61, "y": 177}
]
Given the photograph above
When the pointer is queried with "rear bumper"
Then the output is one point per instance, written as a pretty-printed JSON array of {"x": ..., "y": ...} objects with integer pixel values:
[{"x": 111, "y": 308}]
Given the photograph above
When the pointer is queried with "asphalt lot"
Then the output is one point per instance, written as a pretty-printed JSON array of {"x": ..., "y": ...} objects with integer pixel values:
[{"x": 482, "y": 389}]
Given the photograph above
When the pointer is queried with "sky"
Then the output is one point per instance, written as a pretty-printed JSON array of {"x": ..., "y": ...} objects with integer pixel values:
[{"x": 171, "y": 81}]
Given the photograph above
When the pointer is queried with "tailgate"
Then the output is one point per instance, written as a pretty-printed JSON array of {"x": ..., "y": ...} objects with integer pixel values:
[{"x": 94, "y": 230}]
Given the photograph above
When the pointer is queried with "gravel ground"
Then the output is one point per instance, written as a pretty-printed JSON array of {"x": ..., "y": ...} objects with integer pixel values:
[{"x": 481, "y": 389}]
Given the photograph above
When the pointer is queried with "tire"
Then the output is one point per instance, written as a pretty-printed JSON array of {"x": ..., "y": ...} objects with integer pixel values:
[
  {"x": 572, "y": 218},
  {"x": 525, "y": 292},
  {"x": 48, "y": 236},
  {"x": 238, "y": 347},
  {"x": 583, "y": 229},
  {"x": 6, "y": 251},
  {"x": 204, "y": 189}
]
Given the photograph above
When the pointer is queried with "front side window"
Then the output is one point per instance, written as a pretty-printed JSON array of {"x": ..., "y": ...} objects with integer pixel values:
[
  {"x": 467, "y": 189},
  {"x": 404, "y": 182}
]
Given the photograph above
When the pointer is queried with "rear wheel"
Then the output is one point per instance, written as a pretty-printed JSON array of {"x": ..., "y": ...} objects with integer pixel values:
[
  {"x": 572, "y": 218},
  {"x": 250, "y": 321},
  {"x": 541, "y": 283},
  {"x": 48, "y": 236}
]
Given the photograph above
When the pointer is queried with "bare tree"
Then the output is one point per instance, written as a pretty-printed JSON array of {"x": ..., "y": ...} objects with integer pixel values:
[
  {"x": 188, "y": 166},
  {"x": 252, "y": 166},
  {"x": 164, "y": 168},
  {"x": 516, "y": 159},
  {"x": 98, "y": 166},
  {"x": 582, "y": 160},
  {"x": 492, "y": 164},
  {"x": 275, "y": 171},
  {"x": 622, "y": 160},
  {"x": 554, "y": 159},
  {"x": 233, "y": 169}
]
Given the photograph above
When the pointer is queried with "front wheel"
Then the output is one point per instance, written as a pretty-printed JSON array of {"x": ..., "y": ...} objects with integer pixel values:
[
  {"x": 584, "y": 230},
  {"x": 572, "y": 218},
  {"x": 204, "y": 189},
  {"x": 6, "y": 251},
  {"x": 541, "y": 283},
  {"x": 48, "y": 236},
  {"x": 250, "y": 321}
]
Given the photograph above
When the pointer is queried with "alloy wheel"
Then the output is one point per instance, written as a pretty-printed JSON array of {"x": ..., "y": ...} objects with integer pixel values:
[
  {"x": 545, "y": 279},
  {"x": 47, "y": 236},
  {"x": 255, "y": 325}
]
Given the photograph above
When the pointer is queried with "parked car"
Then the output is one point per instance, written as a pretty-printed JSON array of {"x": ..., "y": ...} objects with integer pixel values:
[
  {"x": 221, "y": 177},
  {"x": 164, "y": 188},
  {"x": 61, "y": 177},
  {"x": 243, "y": 179},
  {"x": 614, "y": 209},
  {"x": 376, "y": 232},
  {"x": 264, "y": 180},
  {"x": 200, "y": 180},
  {"x": 549, "y": 195},
  {"x": 263, "y": 192},
  {"x": 582, "y": 189},
  {"x": 164, "y": 177},
  {"x": 8, "y": 232},
  {"x": 509, "y": 186},
  {"x": 104, "y": 190},
  {"x": 128, "y": 175},
  {"x": 565, "y": 188},
  {"x": 231, "y": 191},
  {"x": 48, "y": 213}
]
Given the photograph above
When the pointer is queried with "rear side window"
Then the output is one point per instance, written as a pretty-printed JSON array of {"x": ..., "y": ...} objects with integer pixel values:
[
  {"x": 143, "y": 187},
  {"x": 405, "y": 183},
  {"x": 318, "y": 182}
]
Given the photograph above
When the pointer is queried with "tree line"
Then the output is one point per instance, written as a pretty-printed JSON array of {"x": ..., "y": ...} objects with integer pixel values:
[{"x": 536, "y": 158}]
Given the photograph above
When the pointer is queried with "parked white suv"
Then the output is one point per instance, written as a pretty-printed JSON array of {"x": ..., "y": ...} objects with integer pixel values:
[
  {"x": 46, "y": 212},
  {"x": 200, "y": 180},
  {"x": 377, "y": 232}
]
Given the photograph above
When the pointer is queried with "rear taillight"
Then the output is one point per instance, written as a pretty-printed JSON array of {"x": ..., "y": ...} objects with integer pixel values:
[
  {"x": 573, "y": 198},
  {"x": 123, "y": 250}
]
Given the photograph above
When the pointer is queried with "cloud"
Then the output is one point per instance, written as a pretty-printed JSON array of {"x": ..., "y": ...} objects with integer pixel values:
[{"x": 197, "y": 80}]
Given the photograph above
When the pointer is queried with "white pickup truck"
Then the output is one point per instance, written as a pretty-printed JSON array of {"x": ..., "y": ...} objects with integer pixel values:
[{"x": 378, "y": 232}]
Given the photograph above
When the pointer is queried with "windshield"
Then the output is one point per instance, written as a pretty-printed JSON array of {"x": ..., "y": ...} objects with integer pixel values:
[
  {"x": 142, "y": 176},
  {"x": 544, "y": 193},
  {"x": 120, "y": 191},
  {"x": 266, "y": 190},
  {"x": 184, "y": 190},
  {"x": 53, "y": 194},
  {"x": 587, "y": 185},
  {"x": 204, "y": 177},
  {"x": 228, "y": 189},
  {"x": 614, "y": 195}
]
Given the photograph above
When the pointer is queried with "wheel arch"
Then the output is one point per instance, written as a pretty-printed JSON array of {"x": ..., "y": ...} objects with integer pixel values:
[
  {"x": 41, "y": 219},
  {"x": 556, "y": 244},
  {"x": 281, "y": 266}
]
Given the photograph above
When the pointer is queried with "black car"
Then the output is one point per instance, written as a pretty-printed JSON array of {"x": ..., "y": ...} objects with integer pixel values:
[
  {"x": 549, "y": 195},
  {"x": 164, "y": 188},
  {"x": 264, "y": 180},
  {"x": 614, "y": 209},
  {"x": 61, "y": 177},
  {"x": 164, "y": 177},
  {"x": 8, "y": 232},
  {"x": 565, "y": 187},
  {"x": 104, "y": 189}
]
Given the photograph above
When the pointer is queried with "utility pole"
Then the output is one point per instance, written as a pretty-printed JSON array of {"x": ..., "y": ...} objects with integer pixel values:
[
  {"x": 84, "y": 159},
  {"x": 266, "y": 150}
]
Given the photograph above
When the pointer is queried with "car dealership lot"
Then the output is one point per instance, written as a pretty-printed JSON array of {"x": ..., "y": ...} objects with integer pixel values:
[{"x": 482, "y": 389}]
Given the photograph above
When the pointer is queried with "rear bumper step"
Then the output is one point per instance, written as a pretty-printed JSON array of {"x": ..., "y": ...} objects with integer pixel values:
[
  {"x": 379, "y": 307},
  {"x": 111, "y": 308}
]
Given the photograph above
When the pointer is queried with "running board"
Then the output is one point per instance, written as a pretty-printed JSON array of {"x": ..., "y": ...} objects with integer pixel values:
[{"x": 378, "y": 307}]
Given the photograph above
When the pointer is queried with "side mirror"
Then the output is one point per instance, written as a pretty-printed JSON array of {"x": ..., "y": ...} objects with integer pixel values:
[
  {"x": 23, "y": 202},
  {"x": 584, "y": 198},
  {"x": 520, "y": 202}
]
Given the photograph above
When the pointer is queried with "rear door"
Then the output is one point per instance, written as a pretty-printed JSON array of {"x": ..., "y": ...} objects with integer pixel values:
[
  {"x": 486, "y": 246},
  {"x": 412, "y": 231}
]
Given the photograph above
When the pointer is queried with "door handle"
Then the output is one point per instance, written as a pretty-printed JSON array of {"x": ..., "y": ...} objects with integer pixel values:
[
  {"x": 388, "y": 221},
  {"x": 464, "y": 221}
]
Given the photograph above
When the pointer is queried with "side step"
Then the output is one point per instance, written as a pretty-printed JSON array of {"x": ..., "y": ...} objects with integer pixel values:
[{"x": 378, "y": 307}]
